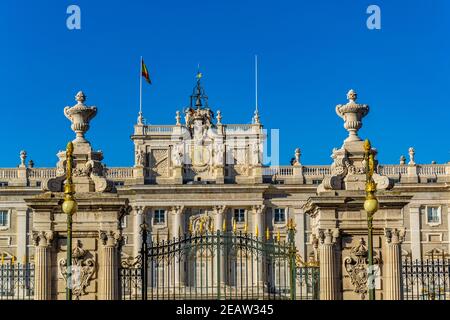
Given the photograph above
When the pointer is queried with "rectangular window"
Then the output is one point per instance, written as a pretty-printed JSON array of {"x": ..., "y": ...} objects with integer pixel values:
[
  {"x": 159, "y": 216},
  {"x": 3, "y": 218},
  {"x": 239, "y": 215},
  {"x": 3, "y": 184},
  {"x": 433, "y": 215},
  {"x": 279, "y": 215}
]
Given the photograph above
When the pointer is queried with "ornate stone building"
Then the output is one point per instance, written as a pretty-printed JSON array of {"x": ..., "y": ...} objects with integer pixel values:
[{"x": 202, "y": 169}]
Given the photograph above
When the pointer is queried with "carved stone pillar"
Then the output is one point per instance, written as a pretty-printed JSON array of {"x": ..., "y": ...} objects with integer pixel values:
[
  {"x": 258, "y": 264},
  {"x": 42, "y": 267},
  {"x": 219, "y": 212},
  {"x": 394, "y": 239},
  {"x": 177, "y": 228},
  {"x": 178, "y": 231},
  {"x": 219, "y": 216},
  {"x": 328, "y": 264},
  {"x": 109, "y": 267},
  {"x": 137, "y": 236}
]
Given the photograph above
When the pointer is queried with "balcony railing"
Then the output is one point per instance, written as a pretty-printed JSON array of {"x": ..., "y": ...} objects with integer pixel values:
[
  {"x": 119, "y": 173},
  {"x": 316, "y": 170},
  {"x": 279, "y": 171}
]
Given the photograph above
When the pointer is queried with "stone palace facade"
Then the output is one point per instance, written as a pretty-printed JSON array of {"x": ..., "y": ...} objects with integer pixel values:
[{"x": 201, "y": 169}]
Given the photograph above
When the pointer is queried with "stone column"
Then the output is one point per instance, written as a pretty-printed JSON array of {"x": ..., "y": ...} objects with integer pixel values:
[
  {"x": 328, "y": 264},
  {"x": 42, "y": 265},
  {"x": 109, "y": 266},
  {"x": 137, "y": 236},
  {"x": 177, "y": 231},
  {"x": 22, "y": 232},
  {"x": 393, "y": 289},
  {"x": 219, "y": 212},
  {"x": 258, "y": 264}
]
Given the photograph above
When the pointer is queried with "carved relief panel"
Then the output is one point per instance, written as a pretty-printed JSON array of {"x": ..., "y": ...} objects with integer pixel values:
[{"x": 160, "y": 162}]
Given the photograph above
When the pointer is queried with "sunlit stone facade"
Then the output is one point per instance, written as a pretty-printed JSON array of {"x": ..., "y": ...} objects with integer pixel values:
[{"x": 202, "y": 168}]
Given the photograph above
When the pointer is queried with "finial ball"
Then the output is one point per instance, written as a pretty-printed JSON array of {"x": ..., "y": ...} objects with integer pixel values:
[
  {"x": 352, "y": 95},
  {"x": 80, "y": 97}
]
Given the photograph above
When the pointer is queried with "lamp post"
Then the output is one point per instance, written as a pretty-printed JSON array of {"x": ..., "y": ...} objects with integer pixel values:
[
  {"x": 371, "y": 206},
  {"x": 69, "y": 207}
]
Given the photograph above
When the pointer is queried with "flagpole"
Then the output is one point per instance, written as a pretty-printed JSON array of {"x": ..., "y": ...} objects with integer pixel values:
[
  {"x": 256, "y": 83},
  {"x": 140, "y": 89}
]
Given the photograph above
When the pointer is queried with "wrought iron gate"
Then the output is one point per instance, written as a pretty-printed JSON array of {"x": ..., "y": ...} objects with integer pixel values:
[
  {"x": 220, "y": 265},
  {"x": 426, "y": 279},
  {"x": 16, "y": 281}
]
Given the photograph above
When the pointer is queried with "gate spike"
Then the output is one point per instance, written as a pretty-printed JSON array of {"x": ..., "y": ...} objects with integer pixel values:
[
  {"x": 267, "y": 233},
  {"x": 245, "y": 228},
  {"x": 157, "y": 236},
  {"x": 3, "y": 258},
  {"x": 256, "y": 231},
  {"x": 179, "y": 231},
  {"x": 278, "y": 236},
  {"x": 190, "y": 227},
  {"x": 234, "y": 226},
  {"x": 224, "y": 225},
  {"x": 200, "y": 228},
  {"x": 13, "y": 260}
]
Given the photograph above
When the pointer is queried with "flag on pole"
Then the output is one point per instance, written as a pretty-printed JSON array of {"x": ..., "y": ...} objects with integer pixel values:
[{"x": 145, "y": 73}]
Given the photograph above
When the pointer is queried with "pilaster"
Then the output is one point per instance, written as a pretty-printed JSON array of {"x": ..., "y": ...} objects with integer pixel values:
[
  {"x": 43, "y": 265},
  {"x": 414, "y": 225},
  {"x": 394, "y": 239},
  {"x": 328, "y": 264},
  {"x": 138, "y": 215},
  {"x": 109, "y": 267}
]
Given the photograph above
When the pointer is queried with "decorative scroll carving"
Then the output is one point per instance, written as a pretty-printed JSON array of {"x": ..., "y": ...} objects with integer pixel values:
[
  {"x": 110, "y": 238},
  {"x": 83, "y": 268},
  {"x": 356, "y": 266},
  {"x": 42, "y": 238}
]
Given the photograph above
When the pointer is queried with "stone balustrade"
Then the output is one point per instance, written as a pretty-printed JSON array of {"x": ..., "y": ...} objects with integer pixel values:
[
  {"x": 7, "y": 174},
  {"x": 316, "y": 170},
  {"x": 41, "y": 173},
  {"x": 119, "y": 173},
  {"x": 158, "y": 130},
  {"x": 235, "y": 128},
  {"x": 291, "y": 174},
  {"x": 278, "y": 170}
]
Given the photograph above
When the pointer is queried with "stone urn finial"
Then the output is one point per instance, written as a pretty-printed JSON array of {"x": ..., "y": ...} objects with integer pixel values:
[
  {"x": 80, "y": 115},
  {"x": 219, "y": 117},
  {"x": 411, "y": 152},
  {"x": 297, "y": 155},
  {"x": 352, "y": 114},
  {"x": 23, "y": 157}
]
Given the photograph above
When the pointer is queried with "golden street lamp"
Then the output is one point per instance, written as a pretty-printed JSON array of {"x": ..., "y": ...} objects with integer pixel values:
[
  {"x": 69, "y": 207},
  {"x": 371, "y": 206}
]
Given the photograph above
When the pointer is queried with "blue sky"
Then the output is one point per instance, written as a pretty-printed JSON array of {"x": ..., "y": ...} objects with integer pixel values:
[{"x": 310, "y": 54}]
